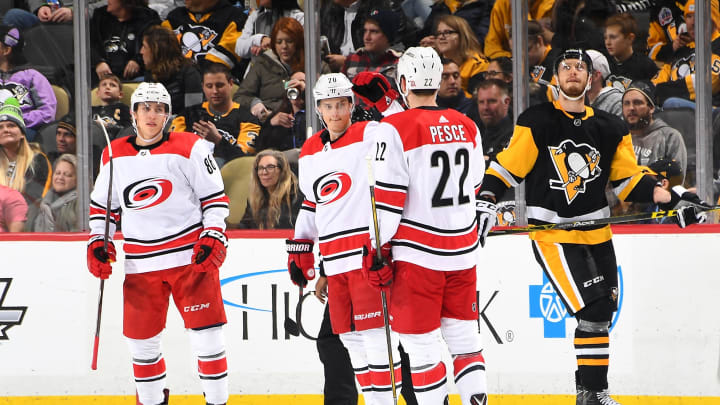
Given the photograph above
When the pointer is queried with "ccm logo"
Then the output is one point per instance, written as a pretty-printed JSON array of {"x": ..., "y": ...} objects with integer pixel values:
[
  {"x": 593, "y": 281},
  {"x": 199, "y": 307},
  {"x": 369, "y": 315}
]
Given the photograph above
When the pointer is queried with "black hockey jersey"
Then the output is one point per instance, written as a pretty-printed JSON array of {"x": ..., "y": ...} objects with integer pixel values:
[
  {"x": 238, "y": 128},
  {"x": 566, "y": 160},
  {"x": 210, "y": 35}
]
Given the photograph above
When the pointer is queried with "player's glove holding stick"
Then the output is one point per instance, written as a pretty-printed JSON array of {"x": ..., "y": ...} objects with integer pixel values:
[
  {"x": 98, "y": 261},
  {"x": 687, "y": 214},
  {"x": 210, "y": 250},
  {"x": 301, "y": 261},
  {"x": 378, "y": 272}
]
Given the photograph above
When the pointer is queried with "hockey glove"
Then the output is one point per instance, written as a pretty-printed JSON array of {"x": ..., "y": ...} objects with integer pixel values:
[
  {"x": 210, "y": 250},
  {"x": 301, "y": 261},
  {"x": 374, "y": 90},
  {"x": 486, "y": 212},
  {"x": 687, "y": 214},
  {"x": 378, "y": 273},
  {"x": 98, "y": 261}
]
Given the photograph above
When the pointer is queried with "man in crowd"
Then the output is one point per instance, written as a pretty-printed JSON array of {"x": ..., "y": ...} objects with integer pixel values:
[
  {"x": 379, "y": 32},
  {"x": 230, "y": 128},
  {"x": 450, "y": 94},
  {"x": 601, "y": 96},
  {"x": 496, "y": 125}
]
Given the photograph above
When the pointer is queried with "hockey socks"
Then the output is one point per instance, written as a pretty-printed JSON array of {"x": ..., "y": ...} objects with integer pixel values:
[
  {"x": 470, "y": 378},
  {"x": 381, "y": 383},
  {"x": 149, "y": 379},
  {"x": 430, "y": 383},
  {"x": 209, "y": 347},
  {"x": 592, "y": 350}
]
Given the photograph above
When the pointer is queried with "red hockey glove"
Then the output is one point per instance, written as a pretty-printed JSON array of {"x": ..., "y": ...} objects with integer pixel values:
[
  {"x": 374, "y": 90},
  {"x": 210, "y": 250},
  {"x": 99, "y": 261},
  {"x": 301, "y": 262},
  {"x": 687, "y": 214},
  {"x": 379, "y": 273}
]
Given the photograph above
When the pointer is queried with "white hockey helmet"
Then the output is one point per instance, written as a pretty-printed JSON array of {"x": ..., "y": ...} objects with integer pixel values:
[
  {"x": 422, "y": 69},
  {"x": 148, "y": 92},
  {"x": 333, "y": 85}
]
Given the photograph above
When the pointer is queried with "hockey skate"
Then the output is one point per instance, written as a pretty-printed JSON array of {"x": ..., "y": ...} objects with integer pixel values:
[
  {"x": 166, "y": 393},
  {"x": 589, "y": 397}
]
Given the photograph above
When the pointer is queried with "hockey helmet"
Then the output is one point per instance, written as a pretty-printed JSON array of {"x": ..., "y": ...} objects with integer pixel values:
[
  {"x": 422, "y": 69},
  {"x": 148, "y": 92},
  {"x": 574, "y": 53},
  {"x": 333, "y": 85}
]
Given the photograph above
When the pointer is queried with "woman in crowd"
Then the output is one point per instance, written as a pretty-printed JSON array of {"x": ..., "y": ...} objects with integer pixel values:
[
  {"x": 23, "y": 166},
  {"x": 274, "y": 200},
  {"x": 58, "y": 210},
  {"x": 265, "y": 86},
  {"x": 456, "y": 41},
  {"x": 255, "y": 37},
  {"x": 165, "y": 63},
  {"x": 116, "y": 32}
]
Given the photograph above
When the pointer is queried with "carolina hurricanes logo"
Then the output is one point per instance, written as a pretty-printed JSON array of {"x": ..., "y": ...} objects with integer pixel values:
[
  {"x": 576, "y": 165},
  {"x": 147, "y": 193},
  {"x": 331, "y": 187}
]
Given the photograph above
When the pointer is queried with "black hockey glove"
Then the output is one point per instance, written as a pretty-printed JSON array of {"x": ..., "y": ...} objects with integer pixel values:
[
  {"x": 693, "y": 213},
  {"x": 486, "y": 212}
]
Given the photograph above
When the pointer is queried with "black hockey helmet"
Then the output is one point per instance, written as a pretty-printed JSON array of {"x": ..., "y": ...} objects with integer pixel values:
[{"x": 573, "y": 53}]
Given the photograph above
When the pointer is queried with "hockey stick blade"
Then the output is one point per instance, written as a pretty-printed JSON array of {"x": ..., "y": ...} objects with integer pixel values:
[{"x": 595, "y": 222}]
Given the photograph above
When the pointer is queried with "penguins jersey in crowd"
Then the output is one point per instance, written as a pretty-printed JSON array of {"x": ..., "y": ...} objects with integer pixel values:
[
  {"x": 666, "y": 16},
  {"x": 566, "y": 160},
  {"x": 238, "y": 128},
  {"x": 210, "y": 35},
  {"x": 152, "y": 189},
  {"x": 337, "y": 209},
  {"x": 429, "y": 165},
  {"x": 677, "y": 79},
  {"x": 636, "y": 67}
]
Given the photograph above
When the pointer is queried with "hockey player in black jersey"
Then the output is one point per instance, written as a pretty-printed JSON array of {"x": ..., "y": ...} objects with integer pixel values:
[{"x": 567, "y": 153}]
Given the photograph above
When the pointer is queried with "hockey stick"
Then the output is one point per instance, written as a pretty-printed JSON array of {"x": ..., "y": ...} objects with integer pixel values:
[
  {"x": 594, "y": 222},
  {"x": 291, "y": 326},
  {"x": 386, "y": 316},
  {"x": 108, "y": 208}
]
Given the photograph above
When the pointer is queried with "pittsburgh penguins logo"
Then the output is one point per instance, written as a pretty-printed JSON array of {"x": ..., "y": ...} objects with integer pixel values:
[
  {"x": 115, "y": 44},
  {"x": 537, "y": 72},
  {"x": 195, "y": 40},
  {"x": 147, "y": 193},
  {"x": 331, "y": 187},
  {"x": 576, "y": 165},
  {"x": 17, "y": 90},
  {"x": 684, "y": 66}
]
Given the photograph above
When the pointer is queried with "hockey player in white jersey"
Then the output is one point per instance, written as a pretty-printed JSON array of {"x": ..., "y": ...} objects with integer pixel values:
[
  {"x": 336, "y": 212},
  {"x": 429, "y": 164},
  {"x": 168, "y": 191}
]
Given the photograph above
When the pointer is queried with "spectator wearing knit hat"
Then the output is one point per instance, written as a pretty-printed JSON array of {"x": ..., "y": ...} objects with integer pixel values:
[
  {"x": 23, "y": 166},
  {"x": 31, "y": 89},
  {"x": 379, "y": 32},
  {"x": 65, "y": 138}
]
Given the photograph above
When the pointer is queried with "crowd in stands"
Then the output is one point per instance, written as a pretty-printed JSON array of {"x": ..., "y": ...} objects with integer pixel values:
[{"x": 236, "y": 77}]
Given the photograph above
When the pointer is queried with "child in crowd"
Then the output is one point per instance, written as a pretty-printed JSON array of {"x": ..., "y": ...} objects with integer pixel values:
[{"x": 112, "y": 112}]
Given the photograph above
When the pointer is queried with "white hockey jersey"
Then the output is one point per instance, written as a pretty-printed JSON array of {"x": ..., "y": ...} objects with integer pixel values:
[
  {"x": 167, "y": 193},
  {"x": 429, "y": 165},
  {"x": 337, "y": 210}
]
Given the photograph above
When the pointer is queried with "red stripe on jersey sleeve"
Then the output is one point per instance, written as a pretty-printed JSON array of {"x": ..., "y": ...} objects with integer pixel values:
[
  {"x": 309, "y": 204},
  {"x": 101, "y": 211},
  {"x": 437, "y": 241},
  {"x": 393, "y": 198},
  {"x": 223, "y": 199},
  {"x": 149, "y": 370},
  {"x": 135, "y": 248},
  {"x": 344, "y": 244},
  {"x": 211, "y": 367}
]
